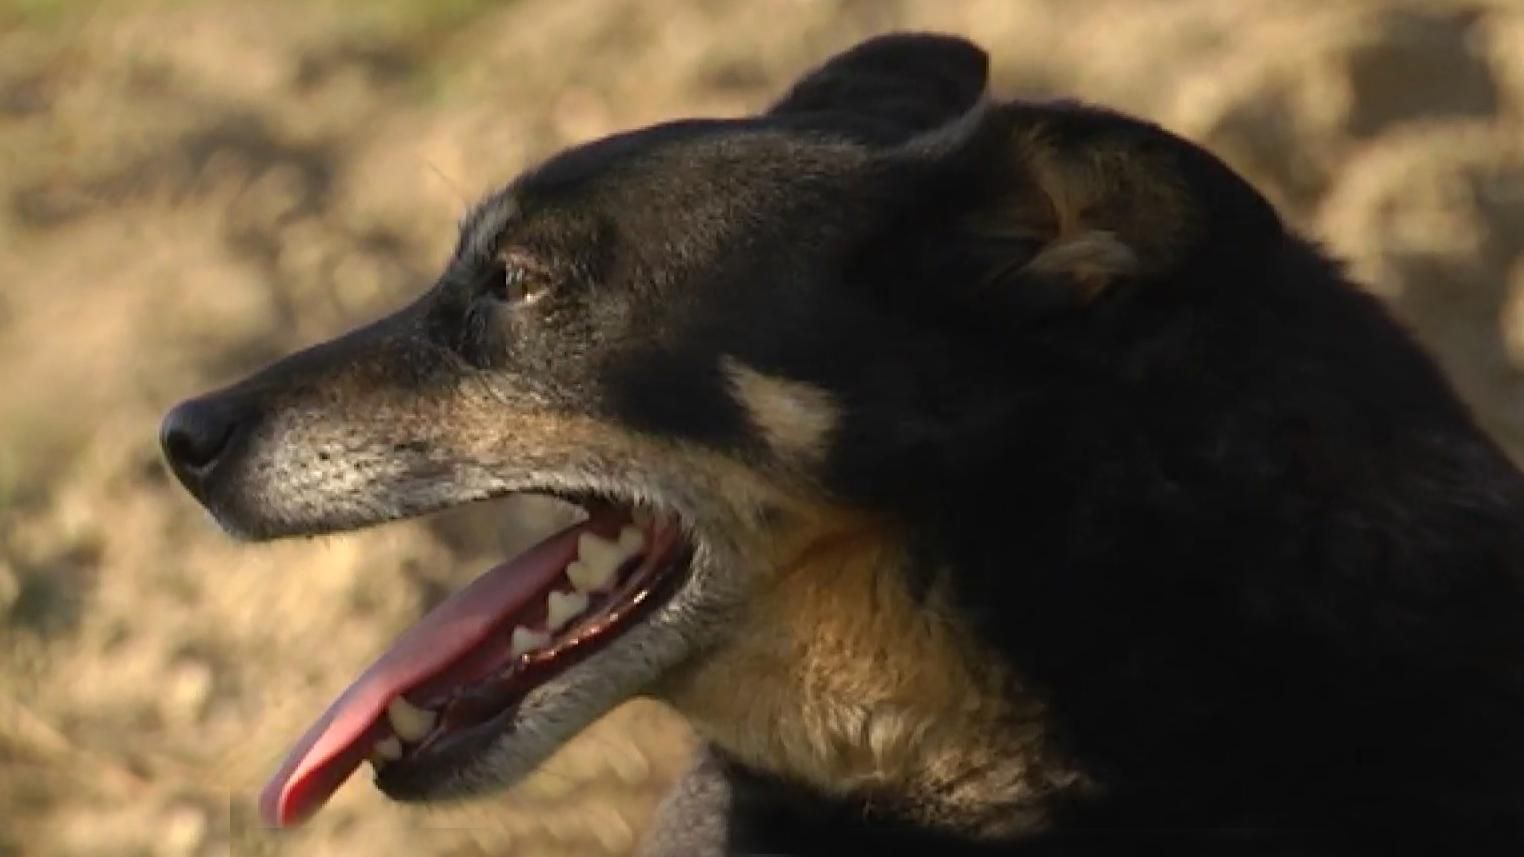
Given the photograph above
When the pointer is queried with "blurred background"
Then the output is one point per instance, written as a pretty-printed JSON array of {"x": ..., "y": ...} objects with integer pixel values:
[{"x": 189, "y": 188}]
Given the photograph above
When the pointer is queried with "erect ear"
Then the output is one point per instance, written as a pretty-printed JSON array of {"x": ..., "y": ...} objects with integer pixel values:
[
  {"x": 1051, "y": 205},
  {"x": 892, "y": 87}
]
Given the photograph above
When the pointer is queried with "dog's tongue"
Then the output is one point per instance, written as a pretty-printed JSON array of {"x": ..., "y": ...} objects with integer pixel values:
[{"x": 341, "y": 739}]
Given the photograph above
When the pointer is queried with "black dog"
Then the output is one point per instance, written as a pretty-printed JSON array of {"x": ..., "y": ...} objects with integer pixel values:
[{"x": 976, "y": 478}]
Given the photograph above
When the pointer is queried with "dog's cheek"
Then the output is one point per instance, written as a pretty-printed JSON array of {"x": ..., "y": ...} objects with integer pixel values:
[
  {"x": 675, "y": 394},
  {"x": 795, "y": 420}
]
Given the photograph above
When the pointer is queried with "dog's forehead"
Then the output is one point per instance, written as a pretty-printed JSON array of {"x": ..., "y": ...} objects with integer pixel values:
[
  {"x": 620, "y": 157},
  {"x": 674, "y": 167}
]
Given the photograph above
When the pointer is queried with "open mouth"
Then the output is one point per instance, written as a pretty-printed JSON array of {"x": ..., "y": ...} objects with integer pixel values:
[{"x": 452, "y": 683}]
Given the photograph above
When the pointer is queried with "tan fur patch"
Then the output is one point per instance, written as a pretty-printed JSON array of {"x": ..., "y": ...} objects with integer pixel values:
[
  {"x": 795, "y": 418},
  {"x": 836, "y": 676}
]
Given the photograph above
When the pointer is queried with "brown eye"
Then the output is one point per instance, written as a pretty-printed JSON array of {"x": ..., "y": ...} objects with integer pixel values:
[{"x": 518, "y": 284}]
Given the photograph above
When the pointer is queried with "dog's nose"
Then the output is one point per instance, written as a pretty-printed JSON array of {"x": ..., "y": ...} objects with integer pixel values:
[{"x": 194, "y": 435}]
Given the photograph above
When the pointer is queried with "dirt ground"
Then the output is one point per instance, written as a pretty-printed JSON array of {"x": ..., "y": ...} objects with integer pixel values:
[{"x": 191, "y": 187}]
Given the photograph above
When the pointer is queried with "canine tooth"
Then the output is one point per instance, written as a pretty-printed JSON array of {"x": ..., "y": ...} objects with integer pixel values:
[
  {"x": 525, "y": 641},
  {"x": 387, "y": 749},
  {"x": 409, "y": 721},
  {"x": 562, "y": 607},
  {"x": 632, "y": 539}
]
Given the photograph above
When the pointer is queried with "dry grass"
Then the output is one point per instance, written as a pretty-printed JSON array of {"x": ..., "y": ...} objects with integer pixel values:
[{"x": 190, "y": 188}]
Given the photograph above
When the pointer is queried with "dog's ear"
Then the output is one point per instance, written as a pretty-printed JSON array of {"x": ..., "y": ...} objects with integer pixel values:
[
  {"x": 1048, "y": 206},
  {"x": 892, "y": 87}
]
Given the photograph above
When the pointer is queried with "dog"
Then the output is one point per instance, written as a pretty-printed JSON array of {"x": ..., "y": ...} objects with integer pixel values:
[{"x": 976, "y": 477}]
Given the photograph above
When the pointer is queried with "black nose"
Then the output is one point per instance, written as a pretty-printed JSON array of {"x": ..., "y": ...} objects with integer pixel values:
[{"x": 194, "y": 436}]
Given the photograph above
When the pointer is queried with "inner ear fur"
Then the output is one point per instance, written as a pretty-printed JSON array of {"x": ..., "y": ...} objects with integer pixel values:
[
  {"x": 1085, "y": 199},
  {"x": 1097, "y": 209}
]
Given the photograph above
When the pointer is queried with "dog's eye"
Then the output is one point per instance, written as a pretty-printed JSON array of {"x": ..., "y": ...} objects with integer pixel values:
[{"x": 517, "y": 284}]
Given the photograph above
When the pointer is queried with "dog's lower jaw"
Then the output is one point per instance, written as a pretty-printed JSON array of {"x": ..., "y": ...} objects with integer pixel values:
[
  {"x": 547, "y": 718},
  {"x": 554, "y": 713}
]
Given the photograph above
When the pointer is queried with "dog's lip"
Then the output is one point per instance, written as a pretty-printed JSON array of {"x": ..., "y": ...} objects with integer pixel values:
[{"x": 335, "y": 745}]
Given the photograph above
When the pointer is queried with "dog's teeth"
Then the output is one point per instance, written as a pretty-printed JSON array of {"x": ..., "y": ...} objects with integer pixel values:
[
  {"x": 590, "y": 577},
  {"x": 598, "y": 560},
  {"x": 631, "y": 539},
  {"x": 592, "y": 547},
  {"x": 525, "y": 641},
  {"x": 562, "y": 607},
  {"x": 387, "y": 749},
  {"x": 577, "y": 573},
  {"x": 410, "y": 722}
]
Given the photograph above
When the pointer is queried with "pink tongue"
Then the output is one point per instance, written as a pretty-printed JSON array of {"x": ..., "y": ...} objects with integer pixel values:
[{"x": 341, "y": 739}]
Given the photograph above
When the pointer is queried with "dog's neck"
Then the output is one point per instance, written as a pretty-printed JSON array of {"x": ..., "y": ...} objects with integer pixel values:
[{"x": 854, "y": 688}]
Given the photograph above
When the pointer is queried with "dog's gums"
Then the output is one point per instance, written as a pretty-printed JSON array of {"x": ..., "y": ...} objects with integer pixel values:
[{"x": 466, "y": 664}]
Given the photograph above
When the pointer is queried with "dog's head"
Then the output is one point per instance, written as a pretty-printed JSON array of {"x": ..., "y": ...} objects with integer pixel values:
[{"x": 784, "y": 362}]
